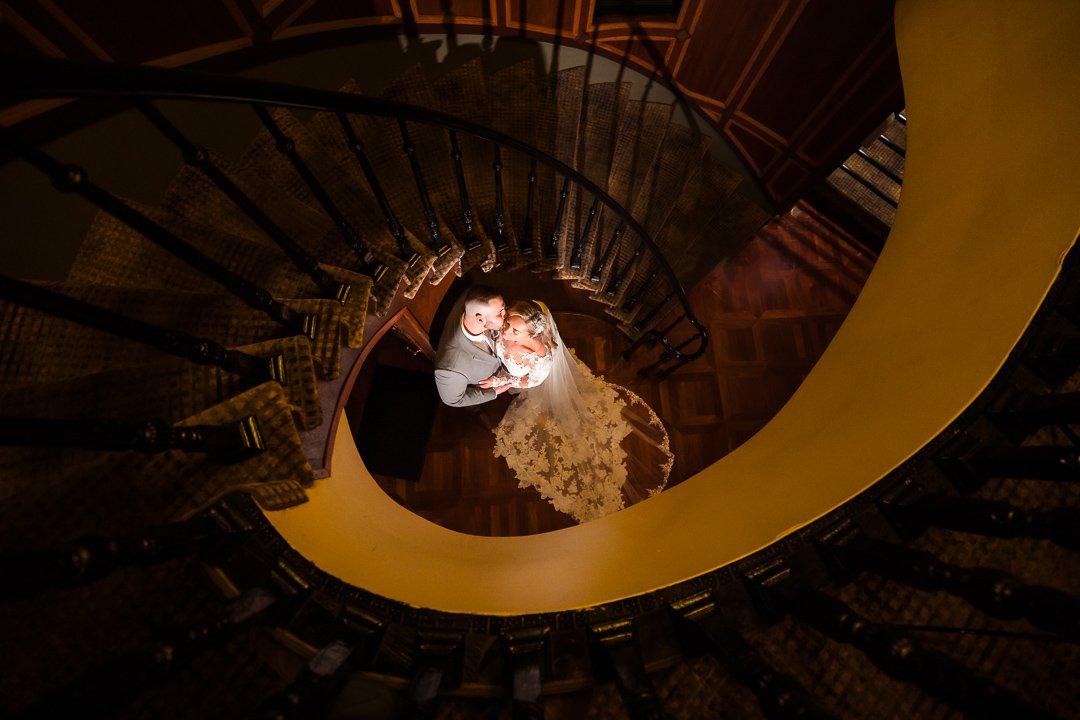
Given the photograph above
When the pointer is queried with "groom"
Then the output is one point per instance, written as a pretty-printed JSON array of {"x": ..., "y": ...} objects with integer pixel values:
[{"x": 466, "y": 354}]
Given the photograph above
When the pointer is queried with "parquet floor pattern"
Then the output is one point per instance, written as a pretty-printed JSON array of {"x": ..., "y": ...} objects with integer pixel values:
[{"x": 771, "y": 312}]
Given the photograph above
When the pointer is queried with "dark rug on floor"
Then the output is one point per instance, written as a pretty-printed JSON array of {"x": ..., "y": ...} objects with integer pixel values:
[{"x": 396, "y": 423}]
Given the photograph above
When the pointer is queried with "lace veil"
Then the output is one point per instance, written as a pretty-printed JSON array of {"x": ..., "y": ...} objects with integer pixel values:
[{"x": 568, "y": 437}]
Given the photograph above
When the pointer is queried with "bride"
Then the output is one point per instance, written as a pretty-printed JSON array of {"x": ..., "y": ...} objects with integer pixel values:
[{"x": 568, "y": 432}]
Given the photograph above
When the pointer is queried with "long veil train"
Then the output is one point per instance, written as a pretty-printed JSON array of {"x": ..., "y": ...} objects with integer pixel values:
[{"x": 589, "y": 447}]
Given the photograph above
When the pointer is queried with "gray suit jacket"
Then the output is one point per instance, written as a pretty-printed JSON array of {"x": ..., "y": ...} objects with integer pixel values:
[{"x": 459, "y": 365}]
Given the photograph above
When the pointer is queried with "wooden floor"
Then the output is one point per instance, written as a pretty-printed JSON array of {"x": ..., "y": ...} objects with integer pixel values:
[{"x": 770, "y": 312}]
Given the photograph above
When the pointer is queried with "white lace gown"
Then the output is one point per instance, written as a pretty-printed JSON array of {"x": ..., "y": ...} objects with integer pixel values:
[{"x": 568, "y": 432}]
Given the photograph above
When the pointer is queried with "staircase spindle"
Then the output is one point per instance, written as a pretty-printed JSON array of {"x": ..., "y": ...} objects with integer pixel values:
[
  {"x": 992, "y": 591},
  {"x": 617, "y": 638},
  {"x": 287, "y": 147},
  {"x": 987, "y": 517},
  {"x": 438, "y": 667},
  {"x": 472, "y": 242},
  {"x": 579, "y": 244},
  {"x": 92, "y": 558},
  {"x": 552, "y": 251},
  {"x": 198, "y": 350},
  {"x": 122, "y": 680},
  {"x": 613, "y": 286},
  {"x": 1039, "y": 411},
  {"x": 313, "y": 692},
  {"x": 780, "y": 695},
  {"x": 70, "y": 178},
  {"x": 199, "y": 158},
  {"x": 525, "y": 244},
  {"x": 647, "y": 317},
  {"x": 525, "y": 648},
  {"x": 407, "y": 253},
  {"x": 230, "y": 442},
  {"x": 439, "y": 244},
  {"x": 1029, "y": 462},
  {"x": 898, "y": 656},
  {"x": 601, "y": 264},
  {"x": 501, "y": 243}
]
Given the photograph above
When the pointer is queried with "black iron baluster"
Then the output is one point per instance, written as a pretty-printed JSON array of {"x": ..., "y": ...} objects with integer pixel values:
[
  {"x": 552, "y": 252},
  {"x": 900, "y": 657},
  {"x": 91, "y": 558},
  {"x": 70, "y": 178},
  {"x": 579, "y": 244},
  {"x": 315, "y": 689},
  {"x": 1038, "y": 411},
  {"x": 287, "y": 147},
  {"x": 199, "y": 158},
  {"x": 525, "y": 244},
  {"x": 1031, "y": 463},
  {"x": 526, "y": 650},
  {"x": 601, "y": 264},
  {"x": 987, "y": 517},
  {"x": 644, "y": 320},
  {"x": 438, "y": 242},
  {"x": 472, "y": 242},
  {"x": 780, "y": 695},
  {"x": 233, "y": 441},
  {"x": 612, "y": 289},
  {"x": 103, "y": 691},
  {"x": 991, "y": 591},
  {"x": 197, "y": 350},
  {"x": 406, "y": 251},
  {"x": 437, "y": 666},
  {"x": 500, "y": 204},
  {"x": 634, "y": 298},
  {"x": 617, "y": 638}
]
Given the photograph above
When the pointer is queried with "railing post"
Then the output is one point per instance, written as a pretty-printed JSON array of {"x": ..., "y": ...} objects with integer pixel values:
[
  {"x": 199, "y": 158},
  {"x": 230, "y": 442},
  {"x": 70, "y": 178},
  {"x": 439, "y": 244},
  {"x": 197, "y": 350},
  {"x": 500, "y": 203},
  {"x": 472, "y": 242},
  {"x": 287, "y": 147},
  {"x": 409, "y": 255}
]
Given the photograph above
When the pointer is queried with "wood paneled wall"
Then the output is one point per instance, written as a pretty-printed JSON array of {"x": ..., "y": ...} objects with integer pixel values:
[{"x": 793, "y": 85}]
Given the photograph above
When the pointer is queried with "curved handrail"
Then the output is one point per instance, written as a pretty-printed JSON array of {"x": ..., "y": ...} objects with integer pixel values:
[{"x": 63, "y": 78}]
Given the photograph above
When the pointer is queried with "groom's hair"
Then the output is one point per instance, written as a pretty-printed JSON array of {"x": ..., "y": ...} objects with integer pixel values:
[{"x": 478, "y": 296}]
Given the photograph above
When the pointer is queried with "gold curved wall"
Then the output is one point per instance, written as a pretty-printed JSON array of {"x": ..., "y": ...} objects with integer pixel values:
[{"x": 991, "y": 203}]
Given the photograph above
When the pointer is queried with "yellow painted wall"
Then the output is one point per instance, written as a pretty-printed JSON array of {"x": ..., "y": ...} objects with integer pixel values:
[{"x": 991, "y": 202}]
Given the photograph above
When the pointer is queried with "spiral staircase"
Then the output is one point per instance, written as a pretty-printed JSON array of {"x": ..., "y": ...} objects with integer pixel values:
[{"x": 143, "y": 578}]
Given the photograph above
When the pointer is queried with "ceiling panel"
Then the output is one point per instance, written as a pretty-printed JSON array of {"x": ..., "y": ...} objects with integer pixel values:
[
  {"x": 723, "y": 44},
  {"x": 823, "y": 50},
  {"x": 141, "y": 32}
]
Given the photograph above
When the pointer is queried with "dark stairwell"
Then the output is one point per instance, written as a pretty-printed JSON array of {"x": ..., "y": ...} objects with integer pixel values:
[{"x": 838, "y": 618}]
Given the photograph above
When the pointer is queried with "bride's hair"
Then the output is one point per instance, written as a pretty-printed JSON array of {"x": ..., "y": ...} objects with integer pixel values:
[{"x": 535, "y": 321}]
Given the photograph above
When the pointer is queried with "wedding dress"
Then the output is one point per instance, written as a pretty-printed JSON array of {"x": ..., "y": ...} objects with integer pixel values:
[{"x": 569, "y": 434}]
